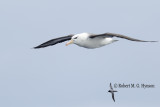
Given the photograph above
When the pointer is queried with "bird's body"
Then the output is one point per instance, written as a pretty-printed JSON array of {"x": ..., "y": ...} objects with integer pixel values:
[
  {"x": 88, "y": 40},
  {"x": 112, "y": 92}
]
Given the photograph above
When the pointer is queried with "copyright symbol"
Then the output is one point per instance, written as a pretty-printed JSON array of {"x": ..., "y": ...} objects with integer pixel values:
[{"x": 115, "y": 85}]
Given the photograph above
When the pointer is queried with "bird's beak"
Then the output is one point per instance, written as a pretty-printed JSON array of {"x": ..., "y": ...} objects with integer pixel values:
[{"x": 70, "y": 42}]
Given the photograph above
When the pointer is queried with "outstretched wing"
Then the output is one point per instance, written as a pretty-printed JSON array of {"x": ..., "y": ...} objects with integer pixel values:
[
  {"x": 119, "y": 36},
  {"x": 113, "y": 97},
  {"x": 54, "y": 41},
  {"x": 111, "y": 86}
]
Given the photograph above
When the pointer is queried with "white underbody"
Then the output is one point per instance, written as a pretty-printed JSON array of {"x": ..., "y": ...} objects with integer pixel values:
[
  {"x": 94, "y": 43},
  {"x": 85, "y": 41}
]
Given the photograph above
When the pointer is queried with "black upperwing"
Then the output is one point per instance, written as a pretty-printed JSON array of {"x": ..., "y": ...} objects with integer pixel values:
[
  {"x": 54, "y": 41},
  {"x": 111, "y": 86},
  {"x": 119, "y": 36},
  {"x": 113, "y": 97}
]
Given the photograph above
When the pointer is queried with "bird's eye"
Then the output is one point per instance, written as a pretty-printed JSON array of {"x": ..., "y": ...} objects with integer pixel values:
[{"x": 75, "y": 37}]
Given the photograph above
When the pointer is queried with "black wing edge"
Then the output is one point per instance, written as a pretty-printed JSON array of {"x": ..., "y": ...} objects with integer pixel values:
[
  {"x": 119, "y": 36},
  {"x": 113, "y": 97},
  {"x": 111, "y": 86},
  {"x": 54, "y": 41}
]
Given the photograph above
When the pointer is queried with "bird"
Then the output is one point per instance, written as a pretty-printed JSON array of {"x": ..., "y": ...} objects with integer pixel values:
[
  {"x": 112, "y": 92},
  {"x": 88, "y": 40}
]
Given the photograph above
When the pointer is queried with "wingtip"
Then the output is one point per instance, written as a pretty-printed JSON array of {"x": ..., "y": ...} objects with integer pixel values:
[
  {"x": 154, "y": 41},
  {"x": 37, "y": 47},
  {"x": 150, "y": 41}
]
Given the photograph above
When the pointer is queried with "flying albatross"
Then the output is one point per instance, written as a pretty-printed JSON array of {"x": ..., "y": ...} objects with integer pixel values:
[
  {"x": 88, "y": 40},
  {"x": 112, "y": 92}
]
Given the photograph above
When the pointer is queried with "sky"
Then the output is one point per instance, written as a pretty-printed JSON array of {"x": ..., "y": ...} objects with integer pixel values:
[{"x": 73, "y": 76}]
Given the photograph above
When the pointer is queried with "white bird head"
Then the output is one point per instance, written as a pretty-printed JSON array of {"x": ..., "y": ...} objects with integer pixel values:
[{"x": 76, "y": 39}]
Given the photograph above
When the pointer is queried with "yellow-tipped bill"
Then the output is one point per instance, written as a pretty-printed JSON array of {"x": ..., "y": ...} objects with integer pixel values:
[{"x": 70, "y": 42}]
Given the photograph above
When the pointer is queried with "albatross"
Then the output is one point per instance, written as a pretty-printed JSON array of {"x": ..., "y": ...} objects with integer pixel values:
[
  {"x": 88, "y": 40},
  {"x": 112, "y": 92}
]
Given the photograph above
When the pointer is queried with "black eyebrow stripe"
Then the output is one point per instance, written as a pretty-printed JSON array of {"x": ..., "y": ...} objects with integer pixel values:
[{"x": 75, "y": 37}]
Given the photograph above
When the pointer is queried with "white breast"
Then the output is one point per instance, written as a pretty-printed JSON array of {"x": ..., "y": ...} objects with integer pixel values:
[{"x": 85, "y": 41}]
